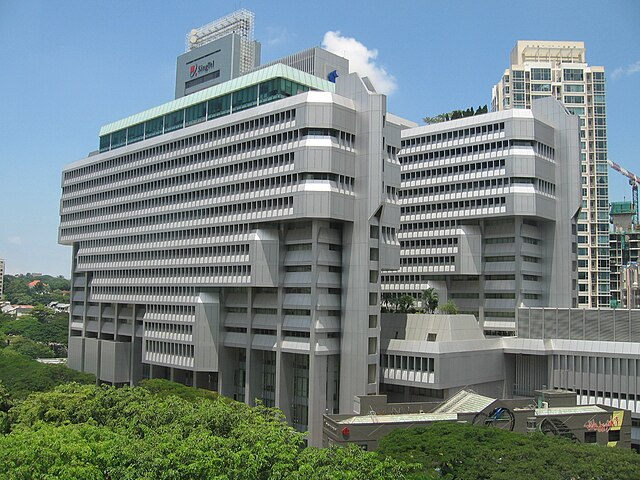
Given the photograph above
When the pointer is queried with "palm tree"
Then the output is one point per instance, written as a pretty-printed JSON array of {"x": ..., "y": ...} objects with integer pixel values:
[
  {"x": 429, "y": 299},
  {"x": 405, "y": 302}
]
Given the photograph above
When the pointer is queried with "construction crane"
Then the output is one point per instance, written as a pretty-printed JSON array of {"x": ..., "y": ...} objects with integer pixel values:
[{"x": 634, "y": 181}]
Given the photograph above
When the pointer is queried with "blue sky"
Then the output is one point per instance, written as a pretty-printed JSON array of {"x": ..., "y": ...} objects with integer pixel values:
[{"x": 68, "y": 67}]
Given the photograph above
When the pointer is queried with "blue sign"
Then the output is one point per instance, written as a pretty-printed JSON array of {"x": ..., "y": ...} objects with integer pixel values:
[{"x": 332, "y": 76}]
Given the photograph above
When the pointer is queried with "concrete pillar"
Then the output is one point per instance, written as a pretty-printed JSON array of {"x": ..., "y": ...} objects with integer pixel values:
[
  {"x": 317, "y": 397},
  {"x": 284, "y": 383}
]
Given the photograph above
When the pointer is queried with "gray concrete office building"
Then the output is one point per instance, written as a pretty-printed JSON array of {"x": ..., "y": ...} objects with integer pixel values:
[
  {"x": 233, "y": 239},
  {"x": 489, "y": 210}
]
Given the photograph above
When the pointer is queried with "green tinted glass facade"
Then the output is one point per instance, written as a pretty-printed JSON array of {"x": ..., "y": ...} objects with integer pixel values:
[
  {"x": 153, "y": 127},
  {"x": 195, "y": 114},
  {"x": 245, "y": 98},
  {"x": 218, "y": 107},
  {"x": 135, "y": 133},
  {"x": 242, "y": 99}
]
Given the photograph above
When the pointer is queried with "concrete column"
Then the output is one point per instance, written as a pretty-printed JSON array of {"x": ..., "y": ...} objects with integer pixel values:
[
  {"x": 227, "y": 365},
  {"x": 284, "y": 383},
  {"x": 317, "y": 397}
]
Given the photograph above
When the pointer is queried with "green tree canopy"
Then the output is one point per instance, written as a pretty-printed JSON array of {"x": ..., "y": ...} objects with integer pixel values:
[
  {"x": 455, "y": 114},
  {"x": 29, "y": 348},
  {"x": 21, "y": 375},
  {"x": 78, "y": 431},
  {"x": 449, "y": 308},
  {"x": 449, "y": 450},
  {"x": 405, "y": 303}
]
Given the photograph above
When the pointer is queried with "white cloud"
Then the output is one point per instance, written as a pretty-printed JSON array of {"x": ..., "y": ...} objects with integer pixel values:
[
  {"x": 15, "y": 240},
  {"x": 626, "y": 70},
  {"x": 361, "y": 60}
]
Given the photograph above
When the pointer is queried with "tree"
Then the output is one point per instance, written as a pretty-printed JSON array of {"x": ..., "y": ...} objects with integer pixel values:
[
  {"x": 451, "y": 450},
  {"x": 386, "y": 301},
  {"x": 29, "y": 348},
  {"x": 455, "y": 114},
  {"x": 22, "y": 375},
  {"x": 77, "y": 431},
  {"x": 449, "y": 308},
  {"x": 405, "y": 303},
  {"x": 55, "y": 331},
  {"x": 42, "y": 314},
  {"x": 429, "y": 299},
  {"x": 5, "y": 405}
]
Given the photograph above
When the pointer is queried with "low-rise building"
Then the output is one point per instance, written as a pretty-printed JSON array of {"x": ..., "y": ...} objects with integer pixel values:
[{"x": 552, "y": 412}]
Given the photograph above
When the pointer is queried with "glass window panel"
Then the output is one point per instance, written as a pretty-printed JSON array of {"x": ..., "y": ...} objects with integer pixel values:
[
  {"x": 574, "y": 88},
  {"x": 540, "y": 74},
  {"x": 105, "y": 143},
  {"x": 271, "y": 90},
  {"x": 153, "y": 127},
  {"x": 119, "y": 138},
  {"x": 135, "y": 133},
  {"x": 576, "y": 110},
  {"x": 219, "y": 106},
  {"x": 245, "y": 98},
  {"x": 174, "y": 121},
  {"x": 574, "y": 99},
  {"x": 540, "y": 87},
  {"x": 196, "y": 114},
  {"x": 573, "y": 75}
]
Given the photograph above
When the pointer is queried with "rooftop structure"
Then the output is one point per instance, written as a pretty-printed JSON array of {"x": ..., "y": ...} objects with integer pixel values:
[
  {"x": 240, "y": 22},
  {"x": 217, "y": 52}
]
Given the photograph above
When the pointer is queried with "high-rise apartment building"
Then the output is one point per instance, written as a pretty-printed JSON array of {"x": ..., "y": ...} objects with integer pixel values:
[
  {"x": 551, "y": 68},
  {"x": 489, "y": 210}
]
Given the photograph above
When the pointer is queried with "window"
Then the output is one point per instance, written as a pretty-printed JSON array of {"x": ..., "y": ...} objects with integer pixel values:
[
  {"x": 245, "y": 98},
  {"x": 573, "y": 75},
  {"x": 574, "y": 88},
  {"x": 135, "y": 133},
  {"x": 372, "y": 373},
  {"x": 118, "y": 138},
  {"x": 373, "y": 298},
  {"x": 589, "y": 437},
  {"x": 219, "y": 106},
  {"x": 373, "y": 345},
  {"x": 540, "y": 74},
  {"x": 541, "y": 87},
  {"x": 174, "y": 121},
  {"x": 153, "y": 128},
  {"x": 202, "y": 79},
  {"x": 196, "y": 114},
  {"x": 574, "y": 99}
]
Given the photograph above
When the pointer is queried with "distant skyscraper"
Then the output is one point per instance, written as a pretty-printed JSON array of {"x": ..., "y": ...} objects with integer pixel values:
[{"x": 544, "y": 68}]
